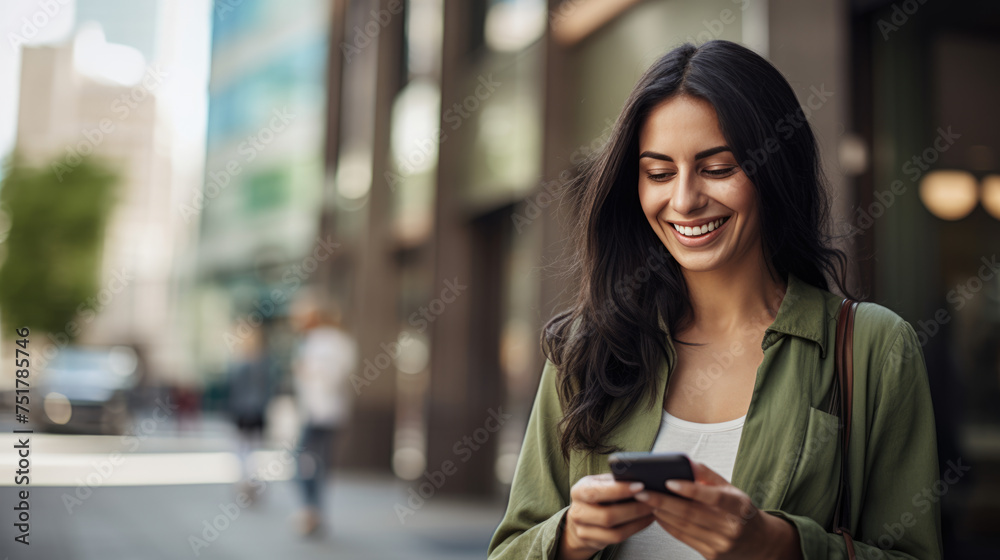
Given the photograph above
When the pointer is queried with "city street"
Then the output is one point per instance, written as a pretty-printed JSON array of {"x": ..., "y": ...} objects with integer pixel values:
[
  {"x": 119, "y": 520},
  {"x": 286, "y": 280}
]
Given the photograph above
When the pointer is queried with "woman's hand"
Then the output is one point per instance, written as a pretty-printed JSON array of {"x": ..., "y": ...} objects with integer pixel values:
[
  {"x": 720, "y": 521},
  {"x": 592, "y": 523}
]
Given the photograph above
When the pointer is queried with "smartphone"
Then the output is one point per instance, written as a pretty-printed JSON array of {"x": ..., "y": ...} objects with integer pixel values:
[{"x": 653, "y": 470}]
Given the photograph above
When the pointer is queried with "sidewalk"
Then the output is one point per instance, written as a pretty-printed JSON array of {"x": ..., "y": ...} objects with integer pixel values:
[{"x": 164, "y": 522}]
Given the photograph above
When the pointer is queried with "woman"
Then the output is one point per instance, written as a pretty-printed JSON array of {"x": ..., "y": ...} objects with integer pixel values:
[{"x": 720, "y": 348}]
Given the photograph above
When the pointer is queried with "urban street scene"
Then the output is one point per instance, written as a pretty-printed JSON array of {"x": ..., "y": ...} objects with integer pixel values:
[{"x": 397, "y": 279}]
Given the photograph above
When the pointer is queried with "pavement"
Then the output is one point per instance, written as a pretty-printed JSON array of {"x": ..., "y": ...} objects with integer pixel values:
[
  {"x": 170, "y": 522},
  {"x": 82, "y": 508}
]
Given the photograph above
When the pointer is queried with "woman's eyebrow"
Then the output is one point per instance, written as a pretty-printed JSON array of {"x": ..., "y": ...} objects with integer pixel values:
[{"x": 700, "y": 155}]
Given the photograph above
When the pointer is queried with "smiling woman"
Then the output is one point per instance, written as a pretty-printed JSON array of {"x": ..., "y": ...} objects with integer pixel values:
[{"x": 724, "y": 353}]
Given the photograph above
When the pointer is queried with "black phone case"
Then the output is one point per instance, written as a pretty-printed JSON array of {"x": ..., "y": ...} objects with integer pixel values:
[{"x": 653, "y": 470}]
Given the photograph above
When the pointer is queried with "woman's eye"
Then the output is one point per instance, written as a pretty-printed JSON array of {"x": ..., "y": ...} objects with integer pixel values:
[
  {"x": 658, "y": 176},
  {"x": 722, "y": 172}
]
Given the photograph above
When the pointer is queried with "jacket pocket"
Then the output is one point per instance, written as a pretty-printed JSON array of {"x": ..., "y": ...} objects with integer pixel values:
[{"x": 813, "y": 488}]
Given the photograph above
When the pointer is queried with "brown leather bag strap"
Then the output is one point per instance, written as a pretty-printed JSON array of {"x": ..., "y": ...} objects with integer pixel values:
[{"x": 842, "y": 404}]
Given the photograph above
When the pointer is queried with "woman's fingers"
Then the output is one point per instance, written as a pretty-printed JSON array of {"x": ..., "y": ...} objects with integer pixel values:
[
  {"x": 599, "y": 537},
  {"x": 722, "y": 512},
  {"x": 714, "y": 520},
  {"x": 706, "y": 475},
  {"x": 593, "y": 523},
  {"x": 713, "y": 490},
  {"x": 694, "y": 536},
  {"x": 601, "y": 488},
  {"x": 608, "y": 515},
  {"x": 689, "y": 510},
  {"x": 725, "y": 497}
]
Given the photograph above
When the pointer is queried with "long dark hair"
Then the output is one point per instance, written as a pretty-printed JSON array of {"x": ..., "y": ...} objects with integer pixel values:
[{"x": 609, "y": 344}]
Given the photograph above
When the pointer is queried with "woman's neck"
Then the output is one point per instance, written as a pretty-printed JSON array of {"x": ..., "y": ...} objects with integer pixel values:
[{"x": 732, "y": 299}]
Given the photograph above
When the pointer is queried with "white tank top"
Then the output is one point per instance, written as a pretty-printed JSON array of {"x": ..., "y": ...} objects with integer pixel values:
[{"x": 712, "y": 444}]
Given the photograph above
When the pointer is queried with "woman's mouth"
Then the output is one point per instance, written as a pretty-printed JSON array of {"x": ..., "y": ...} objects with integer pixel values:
[{"x": 697, "y": 231}]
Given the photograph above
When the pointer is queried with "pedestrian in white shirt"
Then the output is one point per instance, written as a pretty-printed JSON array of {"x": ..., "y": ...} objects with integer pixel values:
[{"x": 322, "y": 367}]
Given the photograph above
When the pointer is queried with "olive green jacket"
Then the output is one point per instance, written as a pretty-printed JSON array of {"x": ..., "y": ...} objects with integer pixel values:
[{"x": 788, "y": 460}]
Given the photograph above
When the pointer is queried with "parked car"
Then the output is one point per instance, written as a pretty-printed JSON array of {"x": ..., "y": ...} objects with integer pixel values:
[{"x": 85, "y": 390}]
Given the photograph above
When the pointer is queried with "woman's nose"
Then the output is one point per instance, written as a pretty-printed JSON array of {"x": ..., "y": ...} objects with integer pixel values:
[{"x": 688, "y": 196}]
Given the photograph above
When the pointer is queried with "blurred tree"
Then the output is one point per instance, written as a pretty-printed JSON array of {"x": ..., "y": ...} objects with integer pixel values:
[{"x": 52, "y": 252}]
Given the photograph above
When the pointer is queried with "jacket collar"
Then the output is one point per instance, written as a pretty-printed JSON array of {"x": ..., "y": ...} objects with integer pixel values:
[{"x": 802, "y": 313}]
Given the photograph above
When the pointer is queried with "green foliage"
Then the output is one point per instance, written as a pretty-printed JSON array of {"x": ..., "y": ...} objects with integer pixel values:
[{"x": 53, "y": 250}]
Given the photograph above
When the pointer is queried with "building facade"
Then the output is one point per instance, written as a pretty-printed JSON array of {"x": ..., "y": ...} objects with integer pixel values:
[{"x": 259, "y": 206}]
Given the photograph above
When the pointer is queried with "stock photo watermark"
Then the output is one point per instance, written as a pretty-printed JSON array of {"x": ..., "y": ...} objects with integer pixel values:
[
  {"x": 122, "y": 107},
  {"x": 368, "y": 34},
  {"x": 959, "y": 296},
  {"x": 31, "y": 25},
  {"x": 249, "y": 149},
  {"x": 922, "y": 503},
  {"x": 715, "y": 27},
  {"x": 463, "y": 450},
  {"x": 427, "y": 314},
  {"x": 427, "y": 148},
  {"x": 785, "y": 127},
  {"x": 225, "y": 7},
  {"x": 421, "y": 320},
  {"x": 373, "y": 367},
  {"x": 901, "y": 13},
  {"x": 291, "y": 280},
  {"x": 211, "y": 529},
  {"x": 86, "y": 313},
  {"x": 549, "y": 191},
  {"x": 103, "y": 470},
  {"x": 913, "y": 168}
]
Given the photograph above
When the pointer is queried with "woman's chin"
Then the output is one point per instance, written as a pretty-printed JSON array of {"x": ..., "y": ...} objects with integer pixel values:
[{"x": 698, "y": 263}]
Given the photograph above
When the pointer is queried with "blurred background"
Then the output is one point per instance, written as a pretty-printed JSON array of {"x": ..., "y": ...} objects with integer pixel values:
[{"x": 178, "y": 174}]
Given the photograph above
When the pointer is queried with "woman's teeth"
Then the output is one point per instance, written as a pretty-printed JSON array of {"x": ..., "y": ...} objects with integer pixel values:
[{"x": 699, "y": 230}]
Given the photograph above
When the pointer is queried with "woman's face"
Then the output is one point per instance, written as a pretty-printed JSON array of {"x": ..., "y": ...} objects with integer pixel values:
[{"x": 697, "y": 199}]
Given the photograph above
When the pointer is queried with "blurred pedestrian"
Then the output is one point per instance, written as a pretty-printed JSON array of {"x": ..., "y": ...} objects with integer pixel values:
[
  {"x": 322, "y": 367},
  {"x": 250, "y": 389}
]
